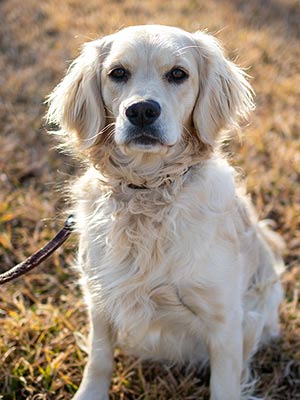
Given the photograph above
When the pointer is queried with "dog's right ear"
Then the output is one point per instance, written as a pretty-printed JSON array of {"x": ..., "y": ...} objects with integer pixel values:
[{"x": 76, "y": 104}]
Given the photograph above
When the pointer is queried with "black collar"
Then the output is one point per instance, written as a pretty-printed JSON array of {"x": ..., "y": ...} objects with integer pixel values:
[
  {"x": 136, "y": 187},
  {"x": 132, "y": 186}
]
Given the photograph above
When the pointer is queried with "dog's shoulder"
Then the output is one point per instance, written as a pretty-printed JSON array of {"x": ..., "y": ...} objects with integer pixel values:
[{"x": 213, "y": 186}]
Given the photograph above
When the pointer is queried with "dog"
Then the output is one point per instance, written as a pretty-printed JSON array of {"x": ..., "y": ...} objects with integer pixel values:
[{"x": 174, "y": 263}]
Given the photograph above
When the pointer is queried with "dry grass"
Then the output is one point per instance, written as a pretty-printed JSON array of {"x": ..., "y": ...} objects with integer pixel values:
[{"x": 41, "y": 351}]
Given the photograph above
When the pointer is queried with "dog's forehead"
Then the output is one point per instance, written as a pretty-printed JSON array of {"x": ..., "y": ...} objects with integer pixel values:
[{"x": 153, "y": 43}]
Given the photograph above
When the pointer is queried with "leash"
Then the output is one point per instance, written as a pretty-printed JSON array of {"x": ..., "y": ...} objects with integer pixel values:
[{"x": 35, "y": 259}]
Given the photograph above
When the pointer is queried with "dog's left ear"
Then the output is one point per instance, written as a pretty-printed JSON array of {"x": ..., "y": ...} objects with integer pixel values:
[{"x": 224, "y": 93}]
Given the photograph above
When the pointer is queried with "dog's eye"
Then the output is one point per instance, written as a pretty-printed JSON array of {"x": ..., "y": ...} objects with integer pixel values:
[
  {"x": 177, "y": 75},
  {"x": 119, "y": 74}
]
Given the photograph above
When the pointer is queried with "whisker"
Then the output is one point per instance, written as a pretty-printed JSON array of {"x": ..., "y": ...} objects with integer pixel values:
[
  {"x": 188, "y": 131},
  {"x": 107, "y": 127},
  {"x": 108, "y": 136},
  {"x": 109, "y": 110}
]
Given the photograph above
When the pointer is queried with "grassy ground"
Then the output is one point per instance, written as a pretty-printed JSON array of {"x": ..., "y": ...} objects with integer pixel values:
[{"x": 42, "y": 316}]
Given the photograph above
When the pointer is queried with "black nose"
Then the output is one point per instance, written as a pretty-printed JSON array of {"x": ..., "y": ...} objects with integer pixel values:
[{"x": 143, "y": 113}]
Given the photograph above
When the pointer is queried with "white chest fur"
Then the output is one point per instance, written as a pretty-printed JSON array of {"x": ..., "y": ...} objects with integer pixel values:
[{"x": 150, "y": 260}]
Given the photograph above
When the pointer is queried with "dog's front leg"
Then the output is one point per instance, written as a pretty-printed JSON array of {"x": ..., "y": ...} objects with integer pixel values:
[
  {"x": 97, "y": 374},
  {"x": 226, "y": 354}
]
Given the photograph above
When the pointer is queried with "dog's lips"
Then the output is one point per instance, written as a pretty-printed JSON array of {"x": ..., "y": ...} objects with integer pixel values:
[
  {"x": 146, "y": 143},
  {"x": 145, "y": 140},
  {"x": 148, "y": 138}
]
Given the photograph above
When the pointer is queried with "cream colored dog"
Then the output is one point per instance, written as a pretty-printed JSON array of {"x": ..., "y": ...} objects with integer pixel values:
[{"x": 174, "y": 264}]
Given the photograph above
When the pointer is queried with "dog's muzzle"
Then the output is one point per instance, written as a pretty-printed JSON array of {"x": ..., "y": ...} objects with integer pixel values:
[{"x": 142, "y": 116}]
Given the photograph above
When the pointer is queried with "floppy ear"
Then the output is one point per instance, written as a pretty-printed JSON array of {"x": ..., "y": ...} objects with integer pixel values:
[
  {"x": 224, "y": 93},
  {"x": 76, "y": 104}
]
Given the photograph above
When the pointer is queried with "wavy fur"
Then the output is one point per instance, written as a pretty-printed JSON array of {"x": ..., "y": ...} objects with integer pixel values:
[{"x": 179, "y": 269}]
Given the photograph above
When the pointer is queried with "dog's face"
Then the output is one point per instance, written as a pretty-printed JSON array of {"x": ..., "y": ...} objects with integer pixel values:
[
  {"x": 146, "y": 86},
  {"x": 150, "y": 83}
]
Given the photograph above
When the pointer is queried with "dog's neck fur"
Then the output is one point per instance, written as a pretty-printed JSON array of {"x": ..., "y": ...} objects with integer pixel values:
[
  {"x": 133, "y": 186},
  {"x": 120, "y": 168}
]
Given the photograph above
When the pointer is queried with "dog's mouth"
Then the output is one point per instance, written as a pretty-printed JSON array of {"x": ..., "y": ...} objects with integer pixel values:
[
  {"x": 145, "y": 140},
  {"x": 149, "y": 139},
  {"x": 146, "y": 144}
]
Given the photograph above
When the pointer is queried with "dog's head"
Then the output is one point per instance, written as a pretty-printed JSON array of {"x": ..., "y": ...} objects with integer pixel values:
[{"x": 145, "y": 86}]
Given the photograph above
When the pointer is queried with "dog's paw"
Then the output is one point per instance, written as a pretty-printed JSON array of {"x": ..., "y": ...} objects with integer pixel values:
[
  {"x": 90, "y": 396},
  {"x": 92, "y": 393}
]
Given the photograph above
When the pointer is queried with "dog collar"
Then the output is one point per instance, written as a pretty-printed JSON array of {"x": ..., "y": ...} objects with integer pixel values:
[{"x": 137, "y": 187}]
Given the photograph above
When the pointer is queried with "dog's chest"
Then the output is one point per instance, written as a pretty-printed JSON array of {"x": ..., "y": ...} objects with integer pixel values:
[{"x": 150, "y": 273}]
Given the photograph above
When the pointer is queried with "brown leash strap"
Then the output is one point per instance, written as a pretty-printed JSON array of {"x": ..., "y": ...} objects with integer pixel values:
[{"x": 38, "y": 257}]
